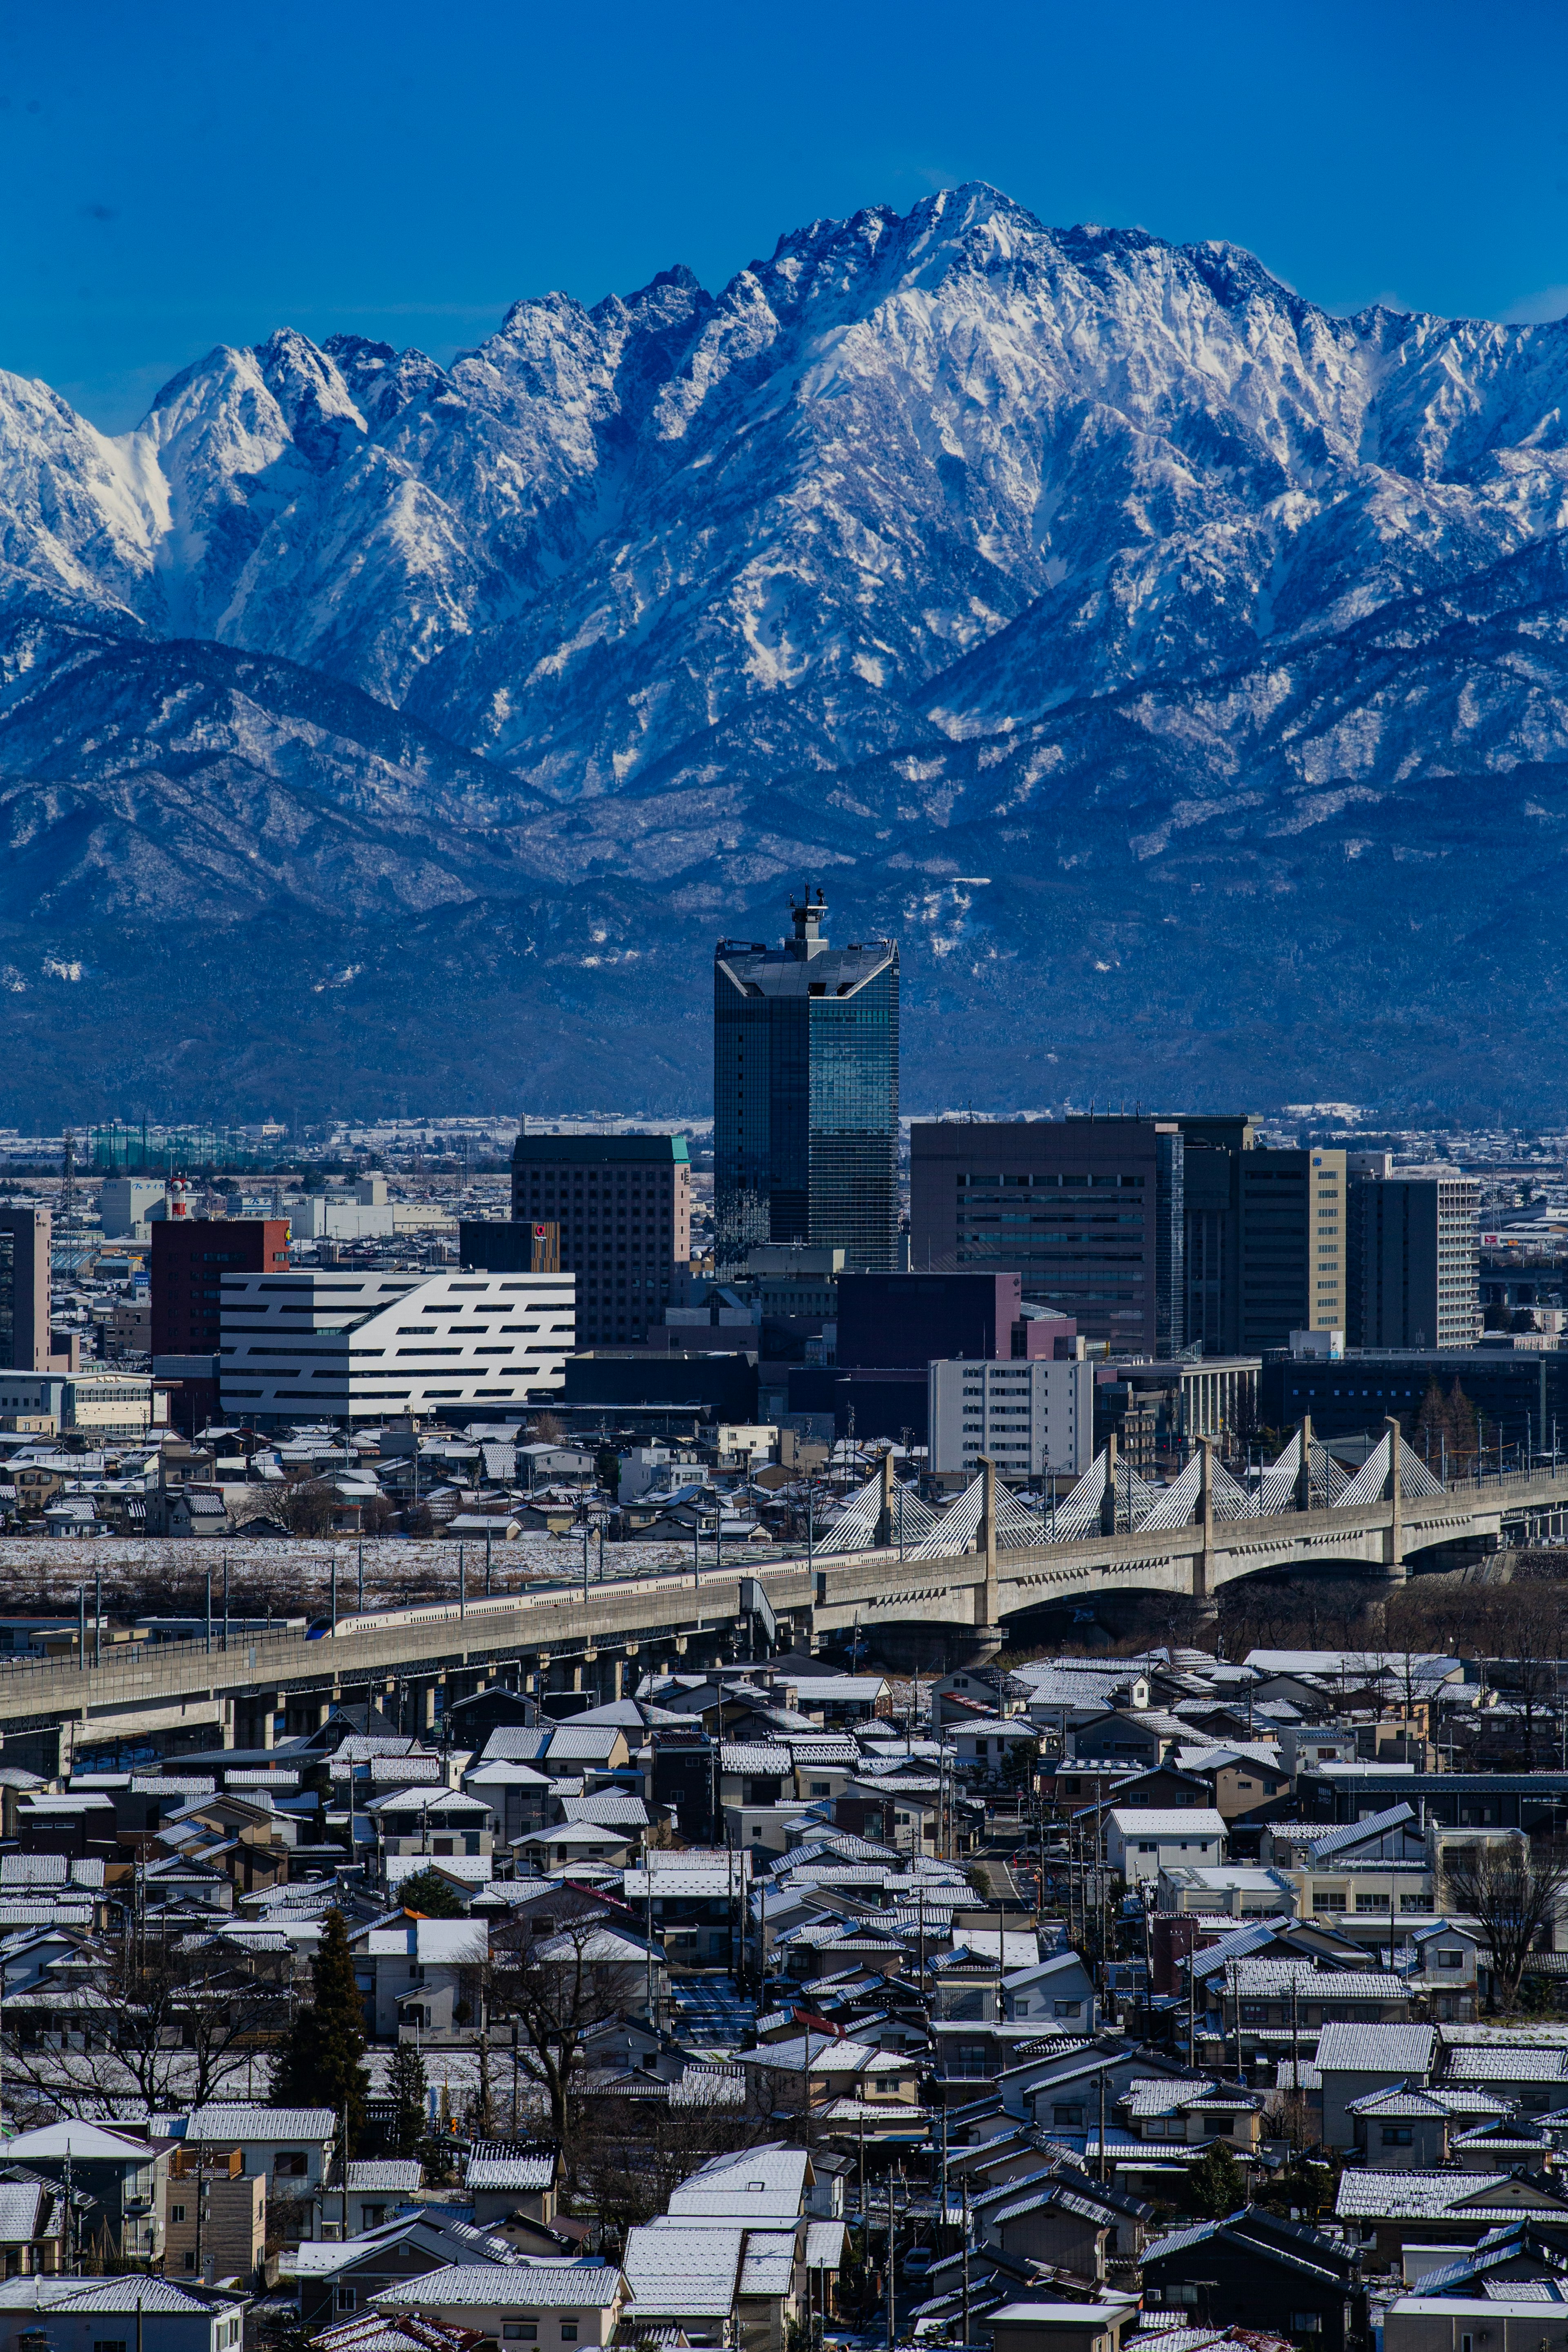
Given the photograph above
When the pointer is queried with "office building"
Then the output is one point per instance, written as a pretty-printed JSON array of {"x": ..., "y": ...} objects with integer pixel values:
[
  {"x": 912, "y": 1318},
  {"x": 190, "y": 1256},
  {"x": 109, "y": 1407},
  {"x": 806, "y": 1094},
  {"x": 372, "y": 1346},
  {"x": 1211, "y": 1258},
  {"x": 794, "y": 1281},
  {"x": 1159, "y": 1410},
  {"x": 624, "y": 1205},
  {"x": 1265, "y": 1238},
  {"x": 1030, "y": 1418},
  {"x": 1521, "y": 1395},
  {"x": 517, "y": 1248},
  {"x": 24, "y": 1239},
  {"x": 125, "y": 1204},
  {"x": 1415, "y": 1276},
  {"x": 1089, "y": 1213},
  {"x": 1294, "y": 1254}
]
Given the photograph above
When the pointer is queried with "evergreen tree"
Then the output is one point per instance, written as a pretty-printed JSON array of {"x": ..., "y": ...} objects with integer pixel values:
[
  {"x": 411, "y": 2100},
  {"x": 322, "y": 2062},
  {"x": 1215, "y": 2185},
  {"x": 427, "y": 1892}
]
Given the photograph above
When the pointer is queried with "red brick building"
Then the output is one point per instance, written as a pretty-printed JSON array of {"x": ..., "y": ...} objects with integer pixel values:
[{"x": 189, "y": 1257}]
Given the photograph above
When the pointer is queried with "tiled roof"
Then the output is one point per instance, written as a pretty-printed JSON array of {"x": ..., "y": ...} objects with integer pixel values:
[
  {"x": 769, "y": 2263},
  {"x": 1370, "y": 2049},
  {"x": 751, "y": 1755},
  {"x": 1152, "y": 1820},
  {"x": 120, "y": 2296},
  {"x": 1409, "y": 2195},
  {"x": 234, "y": 2124},
  {"x": 1517, "y": 2065},
  {"x": 510, "y": 2169},
  {"x": 19, "y": 2202},
  {"x": 1257, "y": 1975},
  {"x": 683, "y": 2269},
  {"x": 524, "y": 2287},
  {"x": 398, "y": 2176}
]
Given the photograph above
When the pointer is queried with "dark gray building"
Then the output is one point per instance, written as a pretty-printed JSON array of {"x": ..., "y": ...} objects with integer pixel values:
[
  {"x": 1413, "y": 1266},
  {"x": 1089, "y": 1212},
  {"x": 805, "y": 1084},
  {"x": 1266, "y": 1243},
  {"x": 1211, "y": 1256},
  {"x": 1521, "y": 1393},
  {"x": 25, "y": 1237},
  {"x": 1292, "y": 1246},
  {"x": 622, "y": 1207}
]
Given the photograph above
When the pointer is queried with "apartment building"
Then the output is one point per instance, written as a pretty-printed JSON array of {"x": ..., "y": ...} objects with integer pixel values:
[
  {"x": 1030, "y": 1418},
  {"x": 1414, "y": 1261}
]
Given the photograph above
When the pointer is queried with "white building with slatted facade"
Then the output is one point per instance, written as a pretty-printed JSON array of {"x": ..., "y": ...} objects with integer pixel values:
[{"x": 338, "y": 1345}]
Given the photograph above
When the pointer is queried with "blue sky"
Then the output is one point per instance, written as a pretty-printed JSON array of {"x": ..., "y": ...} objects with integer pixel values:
[{"x": 175, "y": 176}]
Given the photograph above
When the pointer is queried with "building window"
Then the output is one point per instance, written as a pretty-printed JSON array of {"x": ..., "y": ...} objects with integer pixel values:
[
  {"x": 1398, "y": 2136},
  {"x": 348, "y": 2298}
]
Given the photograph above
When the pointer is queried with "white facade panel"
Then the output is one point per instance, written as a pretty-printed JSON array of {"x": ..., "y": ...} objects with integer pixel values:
[
  {"x": 1028, "y": 1417},
  {"x": 334, "y": 1344}
]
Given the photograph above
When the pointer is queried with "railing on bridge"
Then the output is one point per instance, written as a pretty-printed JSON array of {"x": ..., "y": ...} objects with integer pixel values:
[{"x": 1284, "y": 1485}]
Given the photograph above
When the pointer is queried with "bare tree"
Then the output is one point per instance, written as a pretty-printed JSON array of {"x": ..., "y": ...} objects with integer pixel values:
[
  {"x": 306, "y": 1506},
  {"x": 1514, "y": 1892},
  {"x": 560, "y": 1986},
  {"x": 632, "y": 2155},
  {"x": 167, "y": 2024}
]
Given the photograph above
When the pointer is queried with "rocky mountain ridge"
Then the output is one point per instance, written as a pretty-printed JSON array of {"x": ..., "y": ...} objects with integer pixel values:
[{"x": 404, "y": 720}]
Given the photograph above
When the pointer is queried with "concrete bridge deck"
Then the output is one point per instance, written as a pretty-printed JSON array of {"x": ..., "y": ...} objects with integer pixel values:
[{"x": 601, "y": 1635}]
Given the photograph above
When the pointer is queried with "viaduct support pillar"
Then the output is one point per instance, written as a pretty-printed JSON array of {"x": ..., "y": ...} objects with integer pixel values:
[
  {"x": 883, "y": 1537},
  {"x": 986, "y": 1600},
  {"x": 1394, "y": 1572},
  {"x": 1203, "y": 1565}
]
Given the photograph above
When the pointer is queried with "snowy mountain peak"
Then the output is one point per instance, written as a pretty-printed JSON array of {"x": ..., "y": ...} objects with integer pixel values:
[{"x": 923, "y": 547}]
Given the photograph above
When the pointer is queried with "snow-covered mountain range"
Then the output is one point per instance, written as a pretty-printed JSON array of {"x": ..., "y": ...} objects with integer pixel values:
[{"x": 1178, "y": 669}]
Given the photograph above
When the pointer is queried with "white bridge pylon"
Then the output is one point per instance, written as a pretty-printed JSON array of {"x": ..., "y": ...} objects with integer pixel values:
[{"x": 1020, "y": 1526}]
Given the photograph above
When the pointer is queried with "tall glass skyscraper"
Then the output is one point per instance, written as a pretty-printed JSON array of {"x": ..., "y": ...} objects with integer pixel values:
[{"x": 805, "y": 1086}]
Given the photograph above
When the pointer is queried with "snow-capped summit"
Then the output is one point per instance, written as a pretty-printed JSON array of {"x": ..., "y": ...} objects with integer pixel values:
[{"x": 927, "y": 522}]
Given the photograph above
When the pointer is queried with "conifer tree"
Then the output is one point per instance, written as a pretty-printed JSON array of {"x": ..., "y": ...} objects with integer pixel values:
[
  {"x": 411, "y": 2100},
  {"x": 1215, "y": 2185},
  {"x": 322, "y": 2062}
]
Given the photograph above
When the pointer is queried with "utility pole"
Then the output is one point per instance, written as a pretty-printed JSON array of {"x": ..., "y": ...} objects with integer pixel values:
[
  {"x": 891, "y": 2270},
  {"x": 966, "y": 2258}
]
